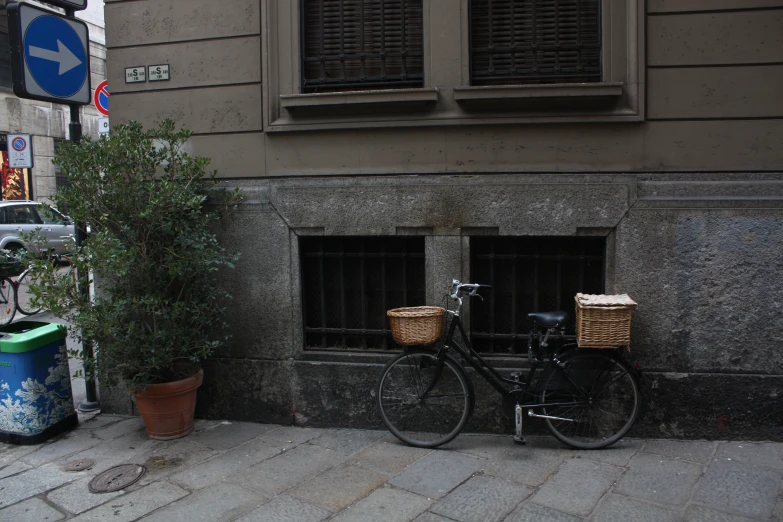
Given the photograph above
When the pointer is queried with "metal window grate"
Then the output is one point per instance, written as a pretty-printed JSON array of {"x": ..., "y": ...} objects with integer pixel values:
[
  {"x": 529, "y": 274},
  {"x": 348, "y": 284},
  {"x": 535, "y": 41},
  {"x": 362, "y": 44}
]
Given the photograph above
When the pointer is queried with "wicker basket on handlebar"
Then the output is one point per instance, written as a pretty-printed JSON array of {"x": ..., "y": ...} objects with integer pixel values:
[
  {"x": 603, "y": 321},
  {"x": 417, "y": 325}
]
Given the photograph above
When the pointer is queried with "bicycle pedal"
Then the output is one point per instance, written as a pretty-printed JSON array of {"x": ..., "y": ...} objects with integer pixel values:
[{"x": 519, "y": 439}]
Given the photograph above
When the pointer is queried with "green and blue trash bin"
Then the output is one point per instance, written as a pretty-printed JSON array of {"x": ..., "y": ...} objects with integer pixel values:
[{"x": 36, "y": 402}]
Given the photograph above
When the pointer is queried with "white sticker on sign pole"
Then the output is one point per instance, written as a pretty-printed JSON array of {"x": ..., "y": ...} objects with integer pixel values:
[
  {"x": 20, "y": 151},
  {"x": 103, "y": 125}
]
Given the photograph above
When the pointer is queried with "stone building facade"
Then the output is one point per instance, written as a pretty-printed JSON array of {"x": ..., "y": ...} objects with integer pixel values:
[
  {"x": 644, "y": 155},
  {"x": 48, "y": 122}
]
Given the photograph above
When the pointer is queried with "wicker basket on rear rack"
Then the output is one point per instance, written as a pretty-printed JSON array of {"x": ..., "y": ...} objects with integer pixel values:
[
  {"x": 417, "y": 325},
  {"x": 603, "y": 321}
]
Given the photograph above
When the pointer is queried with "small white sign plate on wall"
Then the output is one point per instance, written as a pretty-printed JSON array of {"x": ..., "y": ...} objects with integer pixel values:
[
  {"x": 20, "y": 151},
  {"x": 135, "y": 74},
  {"x": 158, "y": 73},
  {"x": 103, "y": 125}
]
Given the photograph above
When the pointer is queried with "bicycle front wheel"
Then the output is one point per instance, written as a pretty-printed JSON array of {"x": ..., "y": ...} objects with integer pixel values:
[
  {"x": 23, "y": 295},
  {"x": 7, "y": 301},
  {"x": 592, "y": 400},
  {"x": 423, "y": 402}
]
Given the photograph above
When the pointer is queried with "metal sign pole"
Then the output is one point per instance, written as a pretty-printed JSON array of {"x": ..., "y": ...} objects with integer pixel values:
[{"x": 91, "y": 401}]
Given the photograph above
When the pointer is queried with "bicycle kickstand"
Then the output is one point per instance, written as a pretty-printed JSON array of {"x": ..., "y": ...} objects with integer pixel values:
[{"x": 518, "y": 437}]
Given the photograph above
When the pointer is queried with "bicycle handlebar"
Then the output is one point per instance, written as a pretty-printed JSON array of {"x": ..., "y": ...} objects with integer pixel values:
[{"x": 458, "y": 288}]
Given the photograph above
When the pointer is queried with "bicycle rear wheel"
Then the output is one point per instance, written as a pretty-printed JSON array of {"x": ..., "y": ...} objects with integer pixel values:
[
  {"x": 424, "y": 403},
  {"x": 7, "y": 301},
  {"x": 594, "y": 399},
  {"x": 23, "y": 295}
]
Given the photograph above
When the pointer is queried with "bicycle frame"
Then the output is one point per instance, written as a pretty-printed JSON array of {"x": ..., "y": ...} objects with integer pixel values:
[{"x": 492, "y": 376}]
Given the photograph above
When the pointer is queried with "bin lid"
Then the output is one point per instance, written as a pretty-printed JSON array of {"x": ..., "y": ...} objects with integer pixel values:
[{"x": 25, "y": 336}]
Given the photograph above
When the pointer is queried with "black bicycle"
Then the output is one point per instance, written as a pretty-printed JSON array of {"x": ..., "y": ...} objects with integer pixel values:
[{"x": 589, "y": 398}]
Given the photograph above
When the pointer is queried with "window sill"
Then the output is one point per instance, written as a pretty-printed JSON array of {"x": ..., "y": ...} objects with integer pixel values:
[
  {"x": 384, "y": 97},
  {"x": 534, "y": 92}
]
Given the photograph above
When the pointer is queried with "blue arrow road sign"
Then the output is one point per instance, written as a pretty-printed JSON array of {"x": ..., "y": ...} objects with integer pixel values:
[{"x": 53, "y": 61}]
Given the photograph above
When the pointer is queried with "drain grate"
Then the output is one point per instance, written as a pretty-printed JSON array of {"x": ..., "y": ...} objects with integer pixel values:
[
  {"x": 79, "y": 465},
  {"x": 117, "y": 478}
]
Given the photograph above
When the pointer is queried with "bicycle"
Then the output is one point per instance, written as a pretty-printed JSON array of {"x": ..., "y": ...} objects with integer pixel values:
[
  {"x": 589, "y": 398},
  {"x": 15, "y": 295}
]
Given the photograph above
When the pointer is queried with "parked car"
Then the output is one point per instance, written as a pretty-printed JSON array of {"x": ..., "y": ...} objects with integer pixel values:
[{"x": 22, "y": 217}]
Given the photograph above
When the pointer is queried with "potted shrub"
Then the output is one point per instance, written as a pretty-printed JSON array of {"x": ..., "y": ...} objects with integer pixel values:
[{"x": 158, "y": 311}]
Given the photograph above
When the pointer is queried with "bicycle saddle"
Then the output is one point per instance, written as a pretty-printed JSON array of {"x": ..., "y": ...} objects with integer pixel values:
[{"x": 549, "y": 319}]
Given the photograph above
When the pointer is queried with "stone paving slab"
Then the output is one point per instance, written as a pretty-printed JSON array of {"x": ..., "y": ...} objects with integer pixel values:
[
  {"x": 577, "y": 486},
  {"x": 286, "y": 509},
  {"x": 693, "y": 450},
  {"x": 764, "y": 454},
  {"x": 437, "y": 473},
  {"x": 389, "y": 457},
  {"x": 527, "y": 465},
  {"x": 69, "y": 444},
  {"x": 220, "y": 503},
  {"x": 136, "y": 504},
  {"x": 228, "y": 435},
  {"x": 100, "y": 421},
  {"x": 339, "y": 487},
  {"x": 387, "y": 505},
  {"x": 740, "y": 488},
  {"x": 484, "y": 446},
  {"x": 431, "y": 517},
  {"x": 76, "y": 497},
  {"x": 534, "y": 513},
  {"x": 696, "y": 513},
  {"x": 348, "y": 442},
  {"x": 213, "y": 470},
  {"x": 284, "y": 473},
  {"x": 618, "y": 454},
  {"x": 14, "y": 468},
  {"x": 482, "y": 499},
  {"x": 10, "y": 453},
  {"x": 122, "y": 427},
  {"x": 660, "y": 479},
  {"x": 617, "y": 508},
  {"x": 287, "y": 437},
  {"x": 176, "y": 456},
  {"x": 31, "y": 510},
  {"x": 31, "y": 483},
  {"x": 278, "y": 474}
]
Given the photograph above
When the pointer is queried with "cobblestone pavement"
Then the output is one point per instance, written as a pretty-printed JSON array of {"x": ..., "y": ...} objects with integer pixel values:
[{"x": 259, "y": 472}]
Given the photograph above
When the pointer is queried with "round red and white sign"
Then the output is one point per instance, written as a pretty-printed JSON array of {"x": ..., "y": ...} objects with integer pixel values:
[
  {"x": 101, "y": 97},
  {"x": 19, "y": 144}
]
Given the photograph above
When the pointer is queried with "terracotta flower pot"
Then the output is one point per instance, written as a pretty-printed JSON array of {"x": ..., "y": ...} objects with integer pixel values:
[{"x": 168, "y": 408}]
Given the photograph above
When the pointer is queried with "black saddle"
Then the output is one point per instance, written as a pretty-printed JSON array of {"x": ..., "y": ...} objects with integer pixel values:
[{"x": 549, "y": 319}]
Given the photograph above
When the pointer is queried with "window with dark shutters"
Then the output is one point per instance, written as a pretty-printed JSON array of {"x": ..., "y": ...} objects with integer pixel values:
[
  {"x": 362, "y": 44},
  {"x": 535, "y": 41}
]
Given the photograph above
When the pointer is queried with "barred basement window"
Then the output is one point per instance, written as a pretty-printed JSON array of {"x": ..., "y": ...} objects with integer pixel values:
[
  {"x": 349, "y": 283},
  {"x": 362, "y": 44},
  {"x": 529, "y": 274},
  {"x": 535, "y": 41}
]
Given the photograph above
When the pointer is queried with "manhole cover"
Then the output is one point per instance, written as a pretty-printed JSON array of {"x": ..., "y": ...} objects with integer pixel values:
[
  {"x": 79, "y": 464},
  {"x": 117, "y": 478}
]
